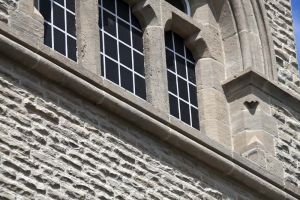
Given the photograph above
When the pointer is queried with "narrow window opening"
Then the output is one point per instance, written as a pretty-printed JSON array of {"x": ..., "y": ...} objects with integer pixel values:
[
  {"x": 182, "y": 5},
  {"x": 182, "y": 88},
  {"x": 59, "y": 26},
  {"x": 121, "y": 46}
]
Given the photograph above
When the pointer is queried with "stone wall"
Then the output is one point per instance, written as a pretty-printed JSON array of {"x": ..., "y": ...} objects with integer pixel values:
[
  {"x": 287, "y": 143},
  {"x": 54, "y": 145},
  {"x": 281, "y": 23}
]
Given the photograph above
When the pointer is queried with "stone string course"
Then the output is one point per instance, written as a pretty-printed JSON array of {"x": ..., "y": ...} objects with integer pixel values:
[
  {"x": 281, "y": 23},
  {"x": 54, "y": 145}
]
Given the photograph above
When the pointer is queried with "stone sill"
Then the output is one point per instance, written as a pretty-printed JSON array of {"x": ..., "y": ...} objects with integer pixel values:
[{"x": 106, "y": 95}]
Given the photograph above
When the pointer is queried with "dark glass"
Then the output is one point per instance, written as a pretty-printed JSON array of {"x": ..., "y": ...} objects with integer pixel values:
[
  {"x": 173, "y": 102},
  {"x": 182, "y": 86},
  {"x": 137, "y": 39},
  {"x": 123, "y": 10},
  {"x": 138, "y": 63},
  {"x": 179, "y": 44},
  {"x": 110, "y": 47},
  {"x": 125, "y": 55},
  {"x": 193, "y": 95},
  {"x": 126, "y": 79},
  {"x": 70, "y": 4},
  {"x": 185, "y": 112},
  {"x": 169, "y": 39},
  {"x": 59, "y": 16},
  {"x": 172, "y": 83},
  {"x": 48, "y": 35},
  {"x": 112, "y": 72},
  {"x": 189, "y": 55},
  {"x": 181, "y": 69},
  {"x": 178, "y": 4},
  {"x": 191, "y": 72},
  {"x": 109, "y": 5},
  {"x": 140, "y": 87},
  {"x": 61, "y": 2},
  {"x": 101, "y": 41},
  {"x": 109, "y": 23},
  {"x": 124, "y": 32},
  {"x": 195, "y": 118},
  {"x": 100, "y": 17},
  {"x": 71, "y": 24},
  {"x": 59, "y": 41},
  {"x": 135, "y": 22},
  {"x": 72, "y": 49},
  {"x": 102, "y": 63},
  {"x": 170, "y": 60},
  {"x": 45, "y": 9}
]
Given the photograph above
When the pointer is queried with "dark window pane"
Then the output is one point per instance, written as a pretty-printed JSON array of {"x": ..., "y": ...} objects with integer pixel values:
[
  {"x": 178, "y": 4},
  {"x": 139, "y": 63},
  {"x": 100, "y": 17},
  {"x": 135, "y": 22},
  {"x": 137, "y": 39},
  {"x": 48, "y": 35},
  {"x": 193, "y": 95},
  {"x": 109, "y": 23},
  {"x": 169, "y": 40},
  {"x": 182, "y": 86},
  {"x": 112, "y": 72},
  {"x": 126, "y": 79},
  {"x": 124, "y": 32},
  {"x": 185, "y": 112},
  {"x": 61, "y": 2},
  {"x": 71, "y": 5},
  {"x": 123, "y": 10},
  {"x": 191, "y": 72},
  {"x": 71, "y": 24},
  {"x": 110, "y": 47},
  {"x": 109, "y": 4},
  {"x": 195, "y": 118},
  {"x": 125, "y": 55},
  {"x": 59, "y": 17},
  {"x": 189, "y": 55},
  {"x": 101, "y": 41},
  {"x": 173, "y": 102},
  {"x": 59, "y": 41},
  {"x": 170, "y": 60},
  {"x": 179, "y": 44},
  {"x": 172, "y": 83},
  {"x": 140, "y": 87},
  {"x": 72, "y": 49},
  {"x": 181, "y": 69},
  {"x": 102, "y": 65},
  {"x": 45, "y": 9}
]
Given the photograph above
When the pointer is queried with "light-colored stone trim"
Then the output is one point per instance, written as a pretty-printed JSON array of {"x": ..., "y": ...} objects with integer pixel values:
[{"x": 144, "y": 115}]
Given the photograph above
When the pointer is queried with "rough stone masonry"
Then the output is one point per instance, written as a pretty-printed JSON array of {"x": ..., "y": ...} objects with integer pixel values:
[{"x": 65, "y": 133}]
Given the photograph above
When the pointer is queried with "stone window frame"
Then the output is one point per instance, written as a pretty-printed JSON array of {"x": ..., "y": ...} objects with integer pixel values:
[
  {"x": 187, "y": 7},
  {"x": 137, "y": 74},
  {"x": 67, "y": 36}
]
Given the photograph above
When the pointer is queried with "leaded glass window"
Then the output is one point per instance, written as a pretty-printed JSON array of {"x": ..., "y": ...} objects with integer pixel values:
[
  {"x": 181, "y": 80},
  {"x": 60, "y": 26},
  {"x": 121, "y": 46}
]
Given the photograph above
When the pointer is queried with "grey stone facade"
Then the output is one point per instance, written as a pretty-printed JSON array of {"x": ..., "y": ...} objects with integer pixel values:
[{"x": 67, "y": 133}]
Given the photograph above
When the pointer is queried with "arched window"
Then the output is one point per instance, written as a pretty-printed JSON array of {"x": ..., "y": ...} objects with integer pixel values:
[
  {"x": 181, "y": 80},
  {"x": 182, "y": 5},
  {"x": 122, "y": 46},
  {"x": 60, "y": 27}
]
